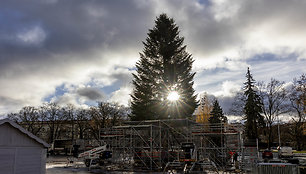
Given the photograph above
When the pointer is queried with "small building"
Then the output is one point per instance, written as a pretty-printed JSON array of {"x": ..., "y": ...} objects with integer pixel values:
[{"x": 21, "y": 152}]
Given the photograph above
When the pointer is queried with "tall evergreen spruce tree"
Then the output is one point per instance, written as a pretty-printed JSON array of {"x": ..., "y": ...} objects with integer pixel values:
[
  {"x": 164, "y": 66},
  {"x": 217, "y": 117},
  {"x": 252, "y": 108}
]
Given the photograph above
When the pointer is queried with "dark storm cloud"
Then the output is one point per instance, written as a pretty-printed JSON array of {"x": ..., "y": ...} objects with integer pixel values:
[
  {"x": 48, "y": 43},
  {"x": 70, "y": 26},
  {"x": 90, "y": 93},
  {"x": 241, "y": 29}
]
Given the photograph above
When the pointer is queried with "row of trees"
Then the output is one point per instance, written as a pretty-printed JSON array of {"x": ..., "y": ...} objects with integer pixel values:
[
  {"x": 50, "y": 120},
  {"x": 263, "y": 103}
]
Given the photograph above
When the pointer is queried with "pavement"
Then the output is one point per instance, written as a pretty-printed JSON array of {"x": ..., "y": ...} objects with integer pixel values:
[
  {"x": 62, "y": 168},
  {"x": 58, "y": 165}
]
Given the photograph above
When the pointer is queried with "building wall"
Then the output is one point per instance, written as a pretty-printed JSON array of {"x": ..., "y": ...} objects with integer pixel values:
[
  {"x": 20, "y": 154},
  {"x": 10, "y": 136},
  {"x": 203, "y": 114},
  {"x": 203, "y": 118},
  {"x": 21, "y": 160}
]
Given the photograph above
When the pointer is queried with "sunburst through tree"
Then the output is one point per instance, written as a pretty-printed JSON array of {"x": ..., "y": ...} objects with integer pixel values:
[{"x": 163, "y": 82}]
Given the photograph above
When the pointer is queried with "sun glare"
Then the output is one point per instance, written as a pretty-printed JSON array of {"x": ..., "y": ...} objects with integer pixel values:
[{"x": 173, "y": 96}]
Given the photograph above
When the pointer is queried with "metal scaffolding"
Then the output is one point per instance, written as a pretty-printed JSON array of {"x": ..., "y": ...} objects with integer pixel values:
[{"x": 151, "y": 144}]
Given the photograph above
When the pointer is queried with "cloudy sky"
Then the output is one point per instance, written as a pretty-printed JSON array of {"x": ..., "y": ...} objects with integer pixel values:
[{"x": 83, "y": 51}]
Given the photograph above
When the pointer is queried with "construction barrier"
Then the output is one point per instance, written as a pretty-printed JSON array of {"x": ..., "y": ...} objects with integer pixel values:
[{"x": 277, "y": 168}]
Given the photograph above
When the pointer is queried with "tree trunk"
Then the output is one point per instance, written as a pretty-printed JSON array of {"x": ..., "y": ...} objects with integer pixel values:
[{"x": 270, "y": 136}]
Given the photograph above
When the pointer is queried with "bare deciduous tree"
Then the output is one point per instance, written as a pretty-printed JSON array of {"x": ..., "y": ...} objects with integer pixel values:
[
  {"x": 298, "y": 110},
  {"x": 29, "y": 118},
  {"x": 273, "y": 97},
  {"x": 69, "y": 115},
  {"x": 82, "y": 118},
  {"x": 54, "y": 116},
  {"x": 238, "y": 104},
  {"x": 105, "y": 115}
]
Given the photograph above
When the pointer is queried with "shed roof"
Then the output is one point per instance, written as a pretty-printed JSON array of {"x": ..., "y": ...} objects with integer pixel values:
[{"x": 21, "y": 129}]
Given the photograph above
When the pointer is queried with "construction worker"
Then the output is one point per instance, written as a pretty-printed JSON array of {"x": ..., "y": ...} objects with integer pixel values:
[{"x": 235, "y": 159}]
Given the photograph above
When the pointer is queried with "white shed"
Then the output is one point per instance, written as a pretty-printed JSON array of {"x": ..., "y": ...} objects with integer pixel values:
[{"x": 21, "y": 152}]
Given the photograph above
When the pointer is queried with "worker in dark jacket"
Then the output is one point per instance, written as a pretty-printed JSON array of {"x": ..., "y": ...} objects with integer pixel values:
[{"x": 235, "y": 159}]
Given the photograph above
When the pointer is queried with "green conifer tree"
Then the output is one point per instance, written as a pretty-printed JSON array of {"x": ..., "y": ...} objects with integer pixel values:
[
  {"x": 217, "y": 115},
  {"x": 252, "y": 108},
  {"x": 164, "y": 66},
  {"x": 217, "y": 121}
]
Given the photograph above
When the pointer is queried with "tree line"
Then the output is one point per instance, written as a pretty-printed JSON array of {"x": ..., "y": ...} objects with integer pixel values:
[
  {"x": 50, "y": 120},
  {"x": 263, "y": 103}
]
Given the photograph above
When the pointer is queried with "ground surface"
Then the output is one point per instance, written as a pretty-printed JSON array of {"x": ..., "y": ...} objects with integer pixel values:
[
  {"x": 58, "y": 165},
  {"x": 62, "y": 169}
]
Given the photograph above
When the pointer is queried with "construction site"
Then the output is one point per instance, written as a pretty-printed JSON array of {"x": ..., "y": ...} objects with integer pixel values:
[{"x": 179, "y": 145}]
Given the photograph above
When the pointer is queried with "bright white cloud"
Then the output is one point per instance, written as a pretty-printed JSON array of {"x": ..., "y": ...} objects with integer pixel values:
[
  {"x": 121, "y": 96},
  {"x": 229, "y": 89}
]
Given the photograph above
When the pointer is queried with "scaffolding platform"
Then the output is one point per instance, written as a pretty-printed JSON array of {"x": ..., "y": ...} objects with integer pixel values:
[{"x": 152, "y": 144}]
